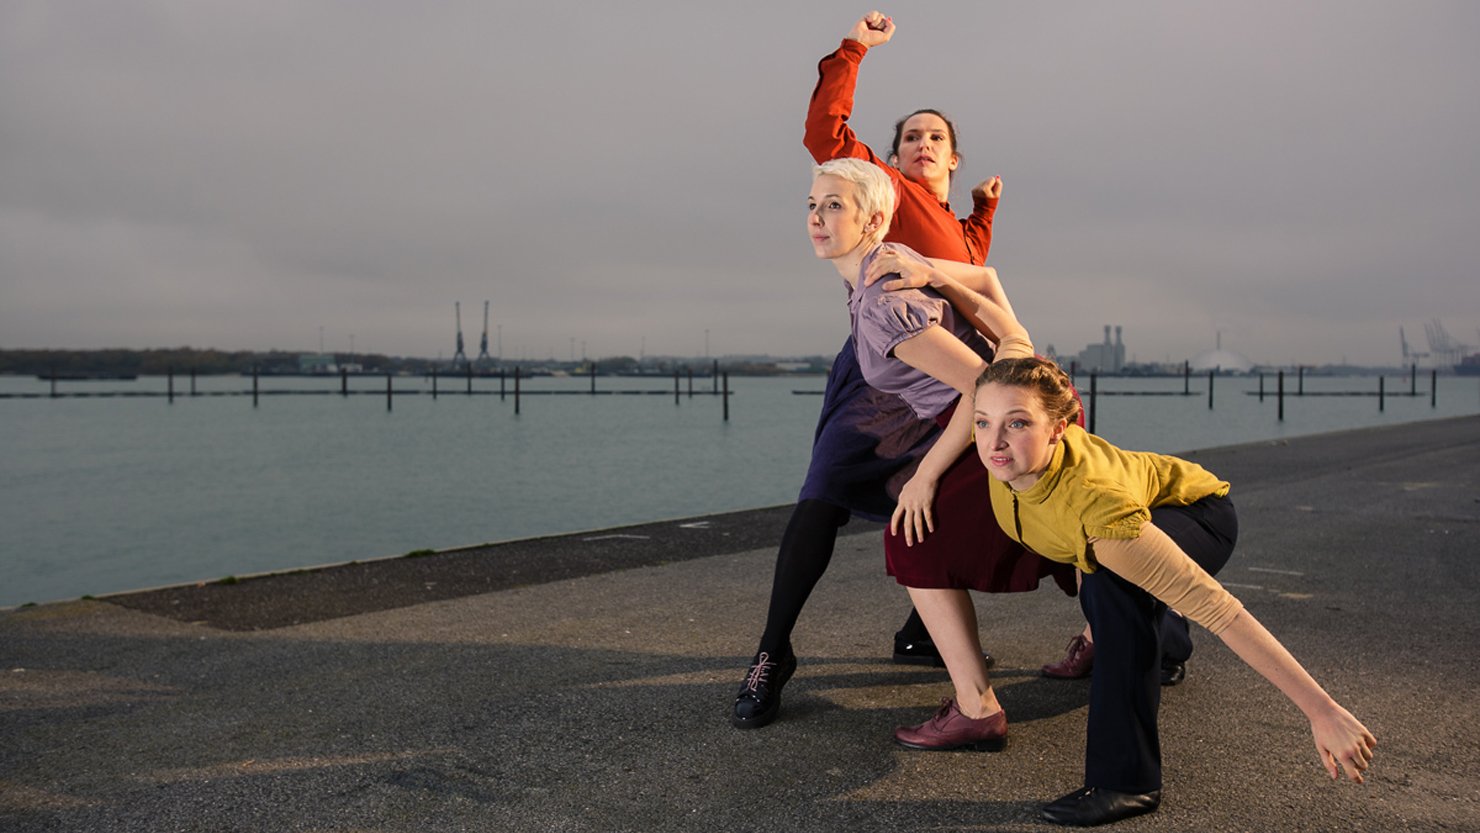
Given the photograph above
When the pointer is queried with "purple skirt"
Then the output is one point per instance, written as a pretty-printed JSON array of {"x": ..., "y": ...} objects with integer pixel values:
[{"x": 868, "y": 443}]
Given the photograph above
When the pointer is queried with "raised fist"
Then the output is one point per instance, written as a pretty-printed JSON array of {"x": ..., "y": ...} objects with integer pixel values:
[{"x": 874, "y": 29}]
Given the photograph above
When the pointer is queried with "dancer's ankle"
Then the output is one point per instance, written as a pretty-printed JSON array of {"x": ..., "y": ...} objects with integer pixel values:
[{"x": 977, "y": 707}]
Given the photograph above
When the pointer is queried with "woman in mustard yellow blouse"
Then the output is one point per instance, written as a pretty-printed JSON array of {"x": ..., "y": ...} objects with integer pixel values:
[{"x": 1147, "y": 531}]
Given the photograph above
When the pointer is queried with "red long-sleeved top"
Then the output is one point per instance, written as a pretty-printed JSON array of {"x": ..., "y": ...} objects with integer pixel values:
[{"x": 920, "y": 221}]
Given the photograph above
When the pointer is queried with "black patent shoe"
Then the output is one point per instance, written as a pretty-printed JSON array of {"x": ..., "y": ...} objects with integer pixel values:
[
  {"x": 759, "y": 700},
  {"x": 1091, "y": 806},
  {"x": 1173, "y": 672},
  {"x": 924, "y": 652}
]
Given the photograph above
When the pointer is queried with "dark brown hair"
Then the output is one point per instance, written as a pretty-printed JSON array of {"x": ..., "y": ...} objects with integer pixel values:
[
  {"x": 1043, "y": 377},
  {"x": 950, "y": 130}
]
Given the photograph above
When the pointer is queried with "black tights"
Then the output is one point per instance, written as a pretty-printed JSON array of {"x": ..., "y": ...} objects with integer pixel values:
[{"x": 806, "y": 550}]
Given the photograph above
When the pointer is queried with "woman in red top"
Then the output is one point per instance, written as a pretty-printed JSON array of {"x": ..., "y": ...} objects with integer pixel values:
[
  {"x": 921, "y": 162},
  {"x": 867, "y": 443}
]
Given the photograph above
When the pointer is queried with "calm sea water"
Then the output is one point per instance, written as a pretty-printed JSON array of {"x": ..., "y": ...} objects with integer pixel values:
[{"x": 108, "y": 494}]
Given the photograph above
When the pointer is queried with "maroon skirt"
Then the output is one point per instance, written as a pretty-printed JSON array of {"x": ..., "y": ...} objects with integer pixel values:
[{"x": 968, "y": 550}]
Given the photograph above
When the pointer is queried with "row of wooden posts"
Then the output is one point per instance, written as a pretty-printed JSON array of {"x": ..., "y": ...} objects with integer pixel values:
[
  {"x": 721, "y": 388},
  {"x": 1381, "y": 392}
]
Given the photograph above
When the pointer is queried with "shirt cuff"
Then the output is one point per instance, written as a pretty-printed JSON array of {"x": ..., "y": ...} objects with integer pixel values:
[{"x": 1013, "y": 346}]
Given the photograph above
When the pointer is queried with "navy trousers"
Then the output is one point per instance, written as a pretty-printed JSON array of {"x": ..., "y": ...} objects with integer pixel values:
[{"x": 1123, "y": 749}]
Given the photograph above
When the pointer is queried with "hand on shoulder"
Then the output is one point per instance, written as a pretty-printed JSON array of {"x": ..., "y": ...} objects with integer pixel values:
[{"x": 910, "y": 272}]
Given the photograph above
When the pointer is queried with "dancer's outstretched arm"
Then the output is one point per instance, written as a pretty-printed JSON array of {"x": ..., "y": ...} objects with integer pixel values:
[
  {"x": 1339, "y": 737},
  {"x": 1154, "y": 562}
]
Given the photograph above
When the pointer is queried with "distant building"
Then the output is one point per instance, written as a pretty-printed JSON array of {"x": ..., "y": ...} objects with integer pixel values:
[
  {"x": 1105, "y": 357},
  {"x": 1221, "y": 361},
  {"x": 316, "y": 363}
]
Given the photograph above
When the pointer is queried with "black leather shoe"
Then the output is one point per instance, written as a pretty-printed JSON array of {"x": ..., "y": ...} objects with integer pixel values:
[
  {"x": 924, "y": 652},
  {"x": 1173, "y": 672},
  {"x": 759, "y": 700},
  {"x": 1089, "y": 806}
]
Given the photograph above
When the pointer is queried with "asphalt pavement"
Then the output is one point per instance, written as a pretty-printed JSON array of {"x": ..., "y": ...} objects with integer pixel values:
[{"x": 583, "y": 682}]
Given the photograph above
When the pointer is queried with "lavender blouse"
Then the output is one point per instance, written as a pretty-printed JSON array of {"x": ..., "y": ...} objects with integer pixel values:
[{"x": 881, "y": 320}]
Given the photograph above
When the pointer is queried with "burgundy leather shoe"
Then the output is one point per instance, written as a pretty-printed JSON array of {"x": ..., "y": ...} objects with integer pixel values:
[
  {"x": 950, "y": 729},
  {"x": 1078, "y": 662}
]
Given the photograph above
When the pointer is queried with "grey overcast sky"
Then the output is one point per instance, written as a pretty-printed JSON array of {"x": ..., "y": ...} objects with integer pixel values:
[{"x": 1301, "y": 176}]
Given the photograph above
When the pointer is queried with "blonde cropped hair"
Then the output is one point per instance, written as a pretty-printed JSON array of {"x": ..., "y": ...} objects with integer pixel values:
[{"x": 874, "y": 191}]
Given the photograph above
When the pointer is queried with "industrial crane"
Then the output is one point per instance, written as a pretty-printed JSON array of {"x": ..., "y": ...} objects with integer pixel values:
[
  {"x": 459, "y": 358},
  {"x": 483, "y": 344}
]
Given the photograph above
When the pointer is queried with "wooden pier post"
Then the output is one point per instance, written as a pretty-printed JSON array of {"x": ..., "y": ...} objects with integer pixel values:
[
  {"x": 500, "y": 384},
  {"x": 727, "y": 395},
  {"x": 1094, "y": 409},
  {"x": 434, "y": 383},
  {"x": 1381, "y": 384},
  {"x": 1210, "y": 389},
  {"x": 254, "y": 386},
  {"x": 1413, "y": 380},
  {"x": 1433, "y": 388},
  {"x": 593, "y": 378},
  {"x": 192, "y": 381},
  {"x": 690, "y": 368},
  {"x": 675, "y": 386},
  {"x": 714, "y": 375},
  {"x": 169, "y": 375},
  {"x": 1280, "y": 395},
  {"x": 343, "y": 383},
  {"x": 1300, "y": 388},
  {"x": 516, "y": 390},
  {"x": 387, "y": 391},
  {"x": 1261, "y": 387}
]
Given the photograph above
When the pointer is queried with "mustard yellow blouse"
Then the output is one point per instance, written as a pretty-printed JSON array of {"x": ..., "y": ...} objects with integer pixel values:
[{"x": 1093, "y": 492}]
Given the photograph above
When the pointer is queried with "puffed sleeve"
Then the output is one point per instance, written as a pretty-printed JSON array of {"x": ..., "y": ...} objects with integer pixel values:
[
  {"x": 1112, "y": 512},
  {"x": 886, "y": 319}
]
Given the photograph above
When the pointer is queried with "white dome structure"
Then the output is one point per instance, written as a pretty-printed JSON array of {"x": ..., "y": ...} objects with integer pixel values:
[{"x": 1222, "y": 361}]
